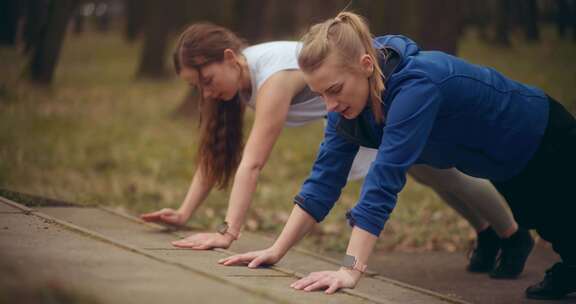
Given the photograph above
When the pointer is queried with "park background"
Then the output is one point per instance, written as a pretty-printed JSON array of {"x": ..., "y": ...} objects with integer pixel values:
[{"x": 92, "y": 113}]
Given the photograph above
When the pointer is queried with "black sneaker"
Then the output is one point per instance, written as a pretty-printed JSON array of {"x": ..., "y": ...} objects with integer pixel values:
[
  {"x": 484, "y": 255},
  {"x": 559, "y": 281},
  {"x": 513, "y": 255}
]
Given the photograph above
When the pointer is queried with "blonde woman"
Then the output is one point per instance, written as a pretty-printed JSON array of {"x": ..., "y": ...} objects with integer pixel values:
[{"x": 431, "y": 108}]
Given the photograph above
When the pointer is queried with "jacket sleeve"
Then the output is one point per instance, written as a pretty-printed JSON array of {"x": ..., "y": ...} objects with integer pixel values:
[
  {"x": 329, "y": 174},
  {"x": 407, "y": 126}
]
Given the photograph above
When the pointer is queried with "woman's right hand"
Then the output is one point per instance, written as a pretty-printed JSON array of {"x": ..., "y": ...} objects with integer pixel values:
[
  {"x": 253, "y": 259},
  {"x": 165, "y": 216}
]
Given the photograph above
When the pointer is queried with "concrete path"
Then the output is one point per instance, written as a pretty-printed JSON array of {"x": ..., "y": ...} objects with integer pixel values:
[
  {"x": 445, "y": 272},
  {"x": 116, "y": 258}
]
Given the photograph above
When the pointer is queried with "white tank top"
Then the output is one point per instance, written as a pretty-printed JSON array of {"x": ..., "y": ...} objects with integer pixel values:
[{"x": 266, "y": 59}]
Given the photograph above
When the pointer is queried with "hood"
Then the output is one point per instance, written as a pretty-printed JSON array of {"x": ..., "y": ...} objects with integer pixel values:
[{"x": 401, "y": 44}]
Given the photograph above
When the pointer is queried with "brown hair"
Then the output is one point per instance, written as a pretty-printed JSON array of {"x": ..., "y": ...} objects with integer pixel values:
[
  {"x": 221, "y": 122},
  {"x": 347, "y": 34}
]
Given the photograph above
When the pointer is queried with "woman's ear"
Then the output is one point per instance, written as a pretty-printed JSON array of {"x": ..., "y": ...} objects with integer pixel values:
[
  {"x": 367, "y": 64},
  {"x": 230, "y": 55}
]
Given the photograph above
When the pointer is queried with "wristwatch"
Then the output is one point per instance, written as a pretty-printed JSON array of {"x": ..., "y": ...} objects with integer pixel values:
[
  {"x": 350, "y": 262},
  {"x": 223, "y": 230}
]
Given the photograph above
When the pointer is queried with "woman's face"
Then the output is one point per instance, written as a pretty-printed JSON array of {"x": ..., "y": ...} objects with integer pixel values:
[
  {"x": 343, "y": 88},
  {"x": 216, "y": 80}
]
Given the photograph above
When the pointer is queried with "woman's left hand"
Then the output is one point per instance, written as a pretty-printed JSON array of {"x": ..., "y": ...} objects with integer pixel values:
[
  {"x": 329, "y": 280},
  {"x": 204, "y": 241}
]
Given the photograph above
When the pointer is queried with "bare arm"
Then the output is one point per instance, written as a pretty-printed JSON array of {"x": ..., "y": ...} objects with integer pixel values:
[
  {"x": 272, "y": 104},
  {"x": 197, "y": 193},
  {"x": 360, "y": 246},
  {"x": 299, "y": 224}
]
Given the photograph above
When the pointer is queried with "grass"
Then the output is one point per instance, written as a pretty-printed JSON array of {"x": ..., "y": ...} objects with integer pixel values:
[{"x": 99, "y": 136}]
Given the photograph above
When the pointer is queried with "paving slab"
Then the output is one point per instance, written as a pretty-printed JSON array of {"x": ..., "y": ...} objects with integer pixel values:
[
  {"x": 49, "y": 252},
  {"x": 136, "y": 238},
  {"x": 116, "y": 227},
  {"x": 156, "y": 241}
]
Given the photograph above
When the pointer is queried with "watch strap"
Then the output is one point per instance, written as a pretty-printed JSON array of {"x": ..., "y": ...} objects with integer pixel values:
[
  {"x": 350, "y": 262},
  {"x": 223, "y": 230}
]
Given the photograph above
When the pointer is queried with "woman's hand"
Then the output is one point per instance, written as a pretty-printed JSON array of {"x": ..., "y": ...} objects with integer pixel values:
[
  {"x": 204, "y": 241},
  {"x": 329, "y": 280},
  {"x": 253, "y": 259},
  {"x": 165, "y": 216}
]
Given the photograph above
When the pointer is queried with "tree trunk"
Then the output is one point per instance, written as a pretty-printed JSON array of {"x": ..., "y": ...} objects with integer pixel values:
[
  {"x": 573, "y": 18},
  {"x": 79, "y": 22},
  {"x": 434, "y": 25},
  {"x": 134, "y": 20},
  {"x": 46, "y": 50},
  {"x": 249, "y": 19},
  {"x": 502, "y": 26},
  {"x": 562, "y": 17},
  {"x": 36, "y": 16},
  {"x": 9, "y": 17},
  {"x": 440, "y": 24},
  {"x": 530, "y": 18},
  {"x": 156, "y": 28}
]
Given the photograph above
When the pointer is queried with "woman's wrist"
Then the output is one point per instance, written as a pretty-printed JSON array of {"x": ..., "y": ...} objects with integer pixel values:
[
  {"x": 185, "y": 212},
  {"x": 353, "y": 273},
  {"x": 278, "y": 251},
  {"x": 228, "y": 231}
]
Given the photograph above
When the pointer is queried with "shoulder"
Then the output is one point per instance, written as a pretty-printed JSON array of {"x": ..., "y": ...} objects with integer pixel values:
[
  {"x": 272, "y": 52},
  {"x": 410, "y": 93},
  {"x": 269, "y": 58}
]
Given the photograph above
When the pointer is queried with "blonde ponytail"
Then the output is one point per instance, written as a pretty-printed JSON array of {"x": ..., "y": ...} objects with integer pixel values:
[{"x": 347, "y": 34}]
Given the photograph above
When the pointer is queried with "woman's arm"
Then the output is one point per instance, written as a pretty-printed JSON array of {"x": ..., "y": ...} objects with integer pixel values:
[
  {"x": 360, "y": 246},
  {"x": 316, "y": 198},
  {"x": 298, "y": 224},
  {"x": 408, "y": 125},
  {"x": 197, "y": 193},
  {"x": 272, "y": 104}
]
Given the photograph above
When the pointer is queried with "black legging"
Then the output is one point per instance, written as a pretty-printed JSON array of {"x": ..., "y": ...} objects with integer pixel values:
[{"x": 543, "y": 195}]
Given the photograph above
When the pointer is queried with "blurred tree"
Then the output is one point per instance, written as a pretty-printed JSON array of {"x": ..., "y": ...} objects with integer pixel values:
[
  {"x": 530, "y": 19},
  {"x": 566, "y": 17},
  {"x": 573, "y": 19},
  {"x": 10, "y": 11},
  {"x": 48, "y": 38},
  {"x": 440, "y": 25},
  {"x": 36, "y": 18},
  {"x": 434, "y": 25},
  {"x": 503, "y": 22},
  {"x": 478, "y": 14},
  {"x": 306, "y": 13},
  {"x": 103, "y": 15},
  {"x": 157, "y": 25},
  {"x": 134, "y": 19},
  {"x": 78, "y": 21},
  {"x": 250, "y": 17}
]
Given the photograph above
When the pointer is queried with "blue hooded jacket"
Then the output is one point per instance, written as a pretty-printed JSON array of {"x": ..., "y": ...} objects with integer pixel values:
[{"x": 439, "y": 110}]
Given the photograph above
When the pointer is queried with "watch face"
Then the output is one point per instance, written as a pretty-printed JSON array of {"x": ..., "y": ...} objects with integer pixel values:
[
  {"x": 348, "y": 261},
  {"x": 223, "y": 228}
]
